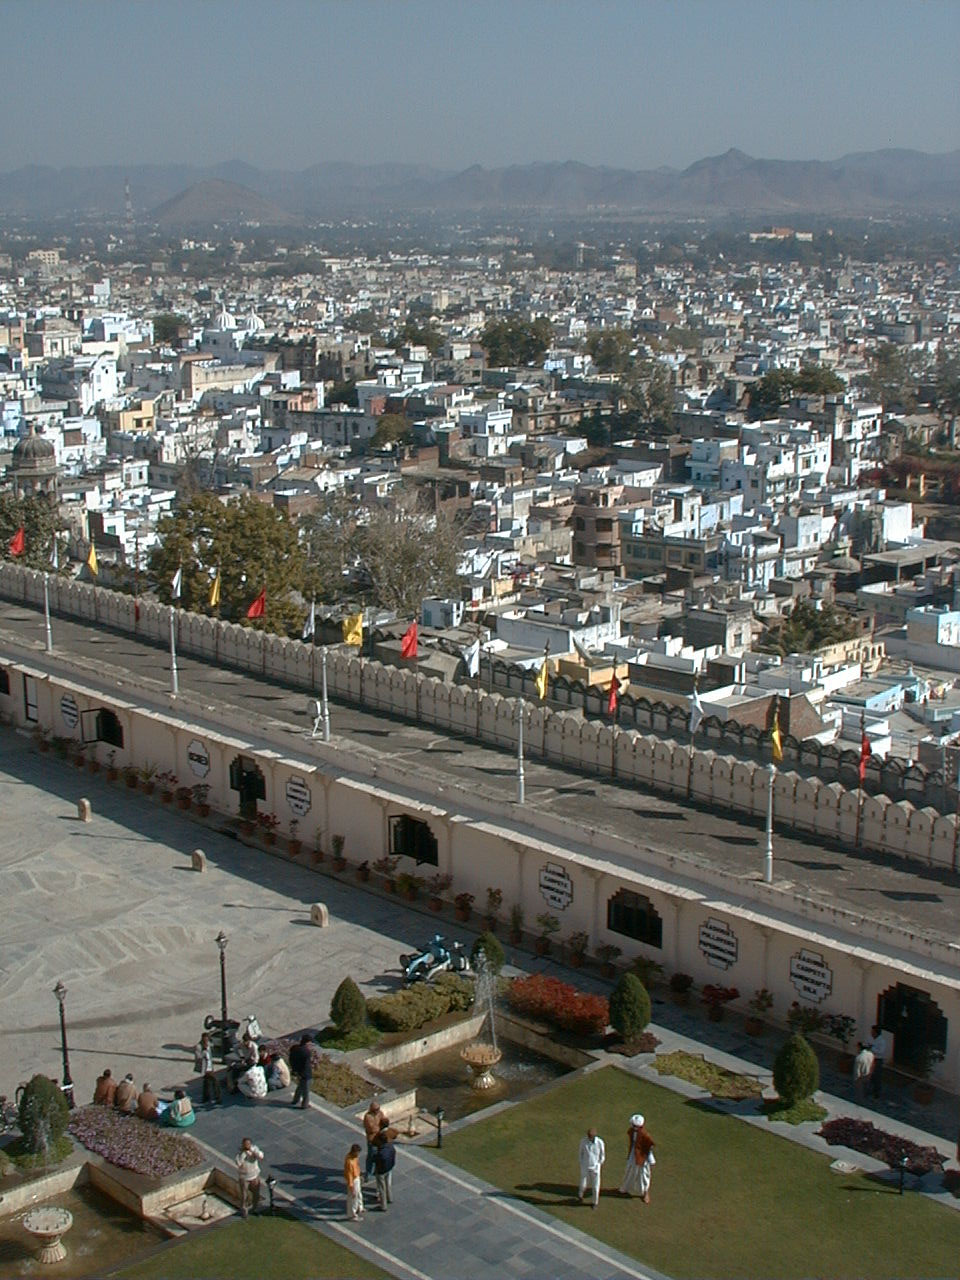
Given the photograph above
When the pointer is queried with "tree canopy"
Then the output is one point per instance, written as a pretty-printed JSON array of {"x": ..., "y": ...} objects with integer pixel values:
[
  {"x": 776, "y": 388},
  {"x": 39, "y": 521},
  {"x": 420, "y": 335},
  {"x": 392, "y": 429},
  {"x": 165, "y": 326},
  {"x": 516, "y": 342},
  {"x": 610, "y": 349},
  {"x": 807, "y": 629}
]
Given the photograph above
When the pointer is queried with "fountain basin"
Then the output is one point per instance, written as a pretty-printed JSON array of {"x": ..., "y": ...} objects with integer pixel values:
[
  {"x": 48, "y": 1224},
  {"x": 481, "y": 1059}
]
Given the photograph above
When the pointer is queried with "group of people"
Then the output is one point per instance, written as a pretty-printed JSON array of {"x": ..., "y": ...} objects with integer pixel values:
[
  {"x": 639, "y": 1166},
  {"x": 868, "y": 1063},
  {"x": 251, "y": 1069},
  {"x": 381, "y": 1157},
  {"x": 146, "y": 1104}
]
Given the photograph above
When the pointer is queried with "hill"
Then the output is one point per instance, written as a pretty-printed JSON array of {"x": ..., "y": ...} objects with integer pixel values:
[{"x": 218, "y": 201}]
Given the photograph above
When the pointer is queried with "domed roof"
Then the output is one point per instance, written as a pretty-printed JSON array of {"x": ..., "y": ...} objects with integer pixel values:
[
  {"x": 32, "y": 449},
  {"x": 225, "y": 320},
  {"x": 253, "y": 323}
]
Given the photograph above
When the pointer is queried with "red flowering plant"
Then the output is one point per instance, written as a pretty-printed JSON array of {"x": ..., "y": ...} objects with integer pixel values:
[
  {"x": 716, "y": 996},
  {"x": 559, "y": 1004}
]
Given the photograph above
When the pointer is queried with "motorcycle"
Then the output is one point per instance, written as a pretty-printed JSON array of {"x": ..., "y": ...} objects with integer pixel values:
[
  {"x": 233, "y": 1035},
  {"x": 436, "y": 957}
]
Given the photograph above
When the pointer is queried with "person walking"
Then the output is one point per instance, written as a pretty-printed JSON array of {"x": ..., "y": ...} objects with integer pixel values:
[
  {"x": 386, "y": 1159},
  {"x": 880, "y": 1048},
  {"x": 640, "y": 1160},
  {"x": 203, "y": 1061},
  {"x": 301, "y": 1065},
  {"x": 371, "y": 1128},
  {"x": 863, "y": 1065},
  {"x": 248, "y": 1175},
  {"x": 351, "y": 1175},
  {"x": 592, "y": 1155}
]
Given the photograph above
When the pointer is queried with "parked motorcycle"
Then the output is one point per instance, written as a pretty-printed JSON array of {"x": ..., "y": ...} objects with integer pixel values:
[
  {"x": 234, "y": 1034},
  {"x": 436, "y": 957}
]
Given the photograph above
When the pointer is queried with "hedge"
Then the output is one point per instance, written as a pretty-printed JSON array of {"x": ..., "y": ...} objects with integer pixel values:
[
  {"x": 559, "y": 1004},
  {"x": 407, "y": 1010}
]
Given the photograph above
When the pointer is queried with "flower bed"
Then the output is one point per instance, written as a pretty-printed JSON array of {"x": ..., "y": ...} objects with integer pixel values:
[
  {"x": 718, "y": 1081},
  {"x": 559, "y": 1004},
  {"x": 865, "y": 1137},
  {"x": 334, "y": 1081},
  {"x": 134, "y": 1144},
  {"x": 407, "y": 1010}
]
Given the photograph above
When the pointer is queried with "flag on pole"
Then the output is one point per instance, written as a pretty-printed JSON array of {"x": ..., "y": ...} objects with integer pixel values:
[
  {"x": 865, "y": 751},
  {"x": 215, "y": 591},
  {"x": 410, "y": 642},
  {"x": 543, "y": 679},
  {"x": 775, "y": 740},
  {"x": 471, "y": 658},
  {"x": 310, "y": 626},
  {"x": 259, "y": 606},
  {"x": 92, "y": 560},
  {"x": 613, "y": 700},
  {"x": 176, "y": 584},
  {"x": 18, "y": 543},
  {"x": 696, "y": 712},
  {"x": 353, "y": 629}
]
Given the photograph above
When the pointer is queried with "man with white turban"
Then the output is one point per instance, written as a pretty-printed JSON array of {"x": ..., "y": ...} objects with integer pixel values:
[{"x": 640, "y": 1160}]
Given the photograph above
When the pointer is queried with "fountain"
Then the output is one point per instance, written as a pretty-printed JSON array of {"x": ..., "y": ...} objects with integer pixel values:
[
  {"x": 47, "y": 1224},
  {"x": 482, "y": 1056}
]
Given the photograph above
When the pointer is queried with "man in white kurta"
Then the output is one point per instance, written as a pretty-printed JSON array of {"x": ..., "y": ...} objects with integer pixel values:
[{"x": 592, "y": 1155}]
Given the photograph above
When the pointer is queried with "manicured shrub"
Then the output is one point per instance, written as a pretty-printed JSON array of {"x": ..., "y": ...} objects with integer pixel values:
[
  {"x": 559, "y": 1004},
  {"x": 410, "y": 1009},
  {"x": 488, "y": 945},
  {"x": 456, "y": 990},
  {"x": 348, "y": 1009},
  {"x": 629, "y": 1006},
  {"x": 796, "y": 1073},
  {"x": 43, "y": 1115}
]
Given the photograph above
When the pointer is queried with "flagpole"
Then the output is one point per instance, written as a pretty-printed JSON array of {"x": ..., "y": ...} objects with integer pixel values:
[
  {"x": 521, "y": 789},
  {"x": 768, "y": 858},
  {"x": 174, "y": 677},
  {"x": 323, "y": 694},
  {"x": 46, "y": 610},
  {"x": 543, "y": 705}
]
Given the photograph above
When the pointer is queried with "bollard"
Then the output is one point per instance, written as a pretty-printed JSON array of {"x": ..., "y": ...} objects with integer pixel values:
[
  {"x": 319, "y": 915},
  {"x": 83, "y": 810},
  {"x": 198, "y": 860}
]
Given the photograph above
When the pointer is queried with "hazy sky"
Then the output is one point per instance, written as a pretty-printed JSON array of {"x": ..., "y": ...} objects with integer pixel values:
[{"x": 637, "y": 83}]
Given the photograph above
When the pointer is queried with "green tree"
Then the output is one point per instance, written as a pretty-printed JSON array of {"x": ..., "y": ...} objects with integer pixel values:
[
  {"x": 344, "y": 393},
  {"x": 629, "y": 1006},
  {"x": 516, "y": 342},
  {"x": 39, "y": 521},
  {"x": 43, "y": 1114},
  {"x": 420, "y": 335},
  {"x": 796, "y": 1073},
  {"x": 392, "y": 429},
  {"x": 348, "y": 1009},
  {"x": 892, "y": 378},
  {"x": 807, "y": 629},
  {"x": 777, "y": 388},
  {"x": 165, "y": 327},
  {"x": 406, "y": 554},
  {"x": 488, "y": 944},
  {"x": 254, "y": 546},
  {"x": 330, "y": 542},
  {"x": 610, "y": 349}
]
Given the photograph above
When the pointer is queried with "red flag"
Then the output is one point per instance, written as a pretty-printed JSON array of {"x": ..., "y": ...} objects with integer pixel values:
[
  {"x": 408, "y": 642},
  {"x": 259, "y": 606},
  {"x": 136, "y": 610},
  {"x": 18, "y": 543},
  {"x": 865, "y": 753},
  {"x": 612, "y": 698}
]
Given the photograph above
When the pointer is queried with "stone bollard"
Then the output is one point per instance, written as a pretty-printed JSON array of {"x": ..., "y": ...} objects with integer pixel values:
[
  {"x": 198, "y": 860},
  {"x": 319, "y": 915},
  {"x": 83, "y": 810}
]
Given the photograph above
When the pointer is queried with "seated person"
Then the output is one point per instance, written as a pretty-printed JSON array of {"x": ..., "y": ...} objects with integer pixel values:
[
  {"x": 278, "y": 1073},
  {"x": 106, "y": 1089},
  {"x": 180, "y": 1114},
  {"x": 148, "y": 1104},
  {"x": 247, "y": 1054},
  {"x": 125, "y": 1099},
  {"x": 253, "y": 1082}
]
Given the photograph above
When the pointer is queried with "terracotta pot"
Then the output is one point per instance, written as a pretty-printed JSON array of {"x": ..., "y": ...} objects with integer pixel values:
[
  {"x": 490, "y": 924},
  {"x": 339, "y": 864},
  {"x": 43, "y": 745},
  {"x": 246, "y": 827},
  {"x": 131, "y": 781},
  {"x": 575, "y": 960},
  {"x": 462, "y": 914},
  {"x": 715, "y": 1012},
  {"x": 186, "y": 802},
  {"x": 363, "y": 873},
  {"x": 753, "y": 1027},
  {"x": 391, "y": 886},
  {"x": 436, "y": 904},
  {"x": 112, "y": 773},
  {"x": 203, "y": 810},
  {"x": 543, "y": 946},
  {"x": 410, "y": 895},
  {"x": 93, "y": 765},
  {"x": 923, "y": 1093},
  {"x": 318, "y": 855},
  {"x": 294, "y": 845},
  {"x": 166, "y": 796},
  {"x": 270, "y": 837},
  {"x": 149, "y": 787}
]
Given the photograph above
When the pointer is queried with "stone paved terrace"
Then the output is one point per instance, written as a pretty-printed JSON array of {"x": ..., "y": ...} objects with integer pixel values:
[{"x": 686, "y": 838}]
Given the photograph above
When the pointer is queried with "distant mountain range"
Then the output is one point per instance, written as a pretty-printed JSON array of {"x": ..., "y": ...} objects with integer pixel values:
[{"x": 873, "y": 182}]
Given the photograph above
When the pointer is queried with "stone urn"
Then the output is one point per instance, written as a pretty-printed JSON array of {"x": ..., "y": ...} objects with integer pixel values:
[
  {"x": 48, "y": 1224},
  {"x": 481, "y": 1059}
]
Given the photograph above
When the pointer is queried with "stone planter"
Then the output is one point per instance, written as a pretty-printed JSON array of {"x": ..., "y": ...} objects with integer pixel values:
[
  {"x": 542, "y": 946},
  {"x": 294, "y": 846},
  {"x": 462, "y": 914},
  {"x": 923, "y": 1093},
  {"x": 339, "y": 864},
  {"x": 436, "y": 904},
  {"x": 753, "y": 1026}
]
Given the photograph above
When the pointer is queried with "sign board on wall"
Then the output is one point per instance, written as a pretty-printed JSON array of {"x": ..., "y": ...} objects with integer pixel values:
[
  {"x": 69, "y": 711},
  {"x": 556, "y": 887},
  {"x": 198, "y": 758},
  {"x": 718, "y": 943},
  {"x": 298, "y": 796},
  {"x": 811, "y": 975}
]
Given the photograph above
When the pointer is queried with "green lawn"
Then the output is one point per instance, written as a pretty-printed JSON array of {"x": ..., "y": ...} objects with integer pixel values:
[
  {"x": 251, "y": 1250},
  {"x": 728, "y": 1200}
]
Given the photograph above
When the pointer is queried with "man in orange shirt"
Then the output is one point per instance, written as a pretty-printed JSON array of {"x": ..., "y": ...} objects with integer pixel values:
[
  {"x": 106, "y": 1089},
  {"x": 351, "y": 1175},
  {"x": 640, "y": 1160}
]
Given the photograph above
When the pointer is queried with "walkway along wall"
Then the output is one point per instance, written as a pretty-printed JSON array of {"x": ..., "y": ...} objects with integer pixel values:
[
  {"x": 717, "y": 927},
  {"x": 824, "y": 805}
]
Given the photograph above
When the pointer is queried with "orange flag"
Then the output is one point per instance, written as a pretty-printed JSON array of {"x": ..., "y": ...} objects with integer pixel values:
[
  {"x": 18, "y": 543},
  {"x": 259, "y": 606},
  {"x": 409, "y": 642},
  {"x": 613, "y": 698}
]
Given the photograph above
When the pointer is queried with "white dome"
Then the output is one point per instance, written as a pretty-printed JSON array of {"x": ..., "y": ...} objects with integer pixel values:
[
  {"x": 253, "y": 323},
  {"x": 225, "y": 320}
]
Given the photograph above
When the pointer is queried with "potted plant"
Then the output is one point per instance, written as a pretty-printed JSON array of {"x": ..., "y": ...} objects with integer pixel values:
[
  {"x": 59, "y": 746},
  {"x": 318, "y": 848},
  {"x": 438, "y": 885},
  {"x": 840, "y": 1026},
  {"x": 409, "y": 885},
  {"x": 200, "y": 792},
  {"x": 923, "y": 1091},
  {"x": 494, "y": 902},
  {"x": 648, "y": 971},
  {"x": 516, "y": 924},
  {"x": 715, "y": 997},
  {"x": 268, "y": 823},
  {"x": 759, "y": 1004},
  {"x": 363, "y": 871},
  {"x": 93, "y": 764},
  {"x": 147, "y": 776},
  {"x": 168, "y": 782},
  {"x": 548, "y": 926},
  {"x": 294, "y": 843},
  {"x": 802, "y": 1020},
  {"x": 463, "y": 905},
  {"x": 607, "y": 953},
  {"x": 184, "y": 797},
  {"x": 387, "y": 867},
  {"x": 680, "y": 984},
  {"x": 42, "y": 738},
  {"x": 576, "y": 946},
  {"x": 131, "y": 776},
  {"x": 80, "y": 758},
  {"x": 112, "y": 771},
  {"x": 337, "y": 845}
]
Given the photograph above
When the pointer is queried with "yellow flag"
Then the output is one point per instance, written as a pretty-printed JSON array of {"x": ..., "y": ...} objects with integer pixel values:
[
  {"x": 215, "y": 591},
  {"x": 92, "y": 561},
  {"x": 353, "y": 629},
  {"x": 775, "y": 741},
  {"x": 543, "y": 678}
]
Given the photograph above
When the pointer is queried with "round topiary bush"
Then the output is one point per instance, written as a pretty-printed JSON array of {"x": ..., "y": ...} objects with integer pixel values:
[
  {"x": 796, "y": 1072},
  {"x": 348, "y": 1009},
  {"x": 629, "y": 1006},
  {"x": 43, "y": 1115},
  {"x": 488, "y": 945}
]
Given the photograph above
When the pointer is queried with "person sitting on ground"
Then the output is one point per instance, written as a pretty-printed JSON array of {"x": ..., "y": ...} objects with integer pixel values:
[
  {"x": 246, "y": 1055},
  {"x": 148, "y": 1104},
  {"x": 180, "y": 1113},
  {"x": 253, "y": 1082},
  {"x": 125, "y": 1099},
  {"x": 278, "y": 1074},
  {"x": 105, "y": 1092}
]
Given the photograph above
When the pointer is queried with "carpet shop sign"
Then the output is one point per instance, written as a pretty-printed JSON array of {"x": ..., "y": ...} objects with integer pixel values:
[
  {"x": 811, "y": 975},
  {"x": 556, "y": 887},
  {"x": 719, "y": 944}
]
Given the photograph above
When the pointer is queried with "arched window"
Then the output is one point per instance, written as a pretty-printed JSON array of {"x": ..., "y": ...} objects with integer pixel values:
[{"x": 635, "y": 916}]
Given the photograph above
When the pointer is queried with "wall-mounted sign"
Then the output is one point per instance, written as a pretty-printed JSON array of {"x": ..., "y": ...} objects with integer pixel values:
[
  {"x": 198, "y": 758},
  {"x": 556, "y": 886},
  {"x": 718, "y": 943},
  {"x": 811, "y": 975},
  {"x": 298, "y": 796},
  {"x": 69, "y": 711}
]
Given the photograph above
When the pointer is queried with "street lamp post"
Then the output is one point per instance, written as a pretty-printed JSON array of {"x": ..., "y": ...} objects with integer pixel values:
[
  {"x": 440, "y": 1113},
  {"x": 521, "y": 784},
  {"x": 768, "y": 859},
  {"x": 222, "y": 944},
  {"x": 46, "y": 613},
  {"x": 325, "y": 700},
  {"x": 60, "y": 991}
]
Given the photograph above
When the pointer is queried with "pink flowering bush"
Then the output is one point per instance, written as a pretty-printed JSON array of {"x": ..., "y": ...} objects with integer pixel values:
[{"x": 131, "y": 1143}]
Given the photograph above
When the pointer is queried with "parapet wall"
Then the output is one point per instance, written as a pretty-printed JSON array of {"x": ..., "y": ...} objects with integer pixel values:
[{"x": 822, "y": 804}]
